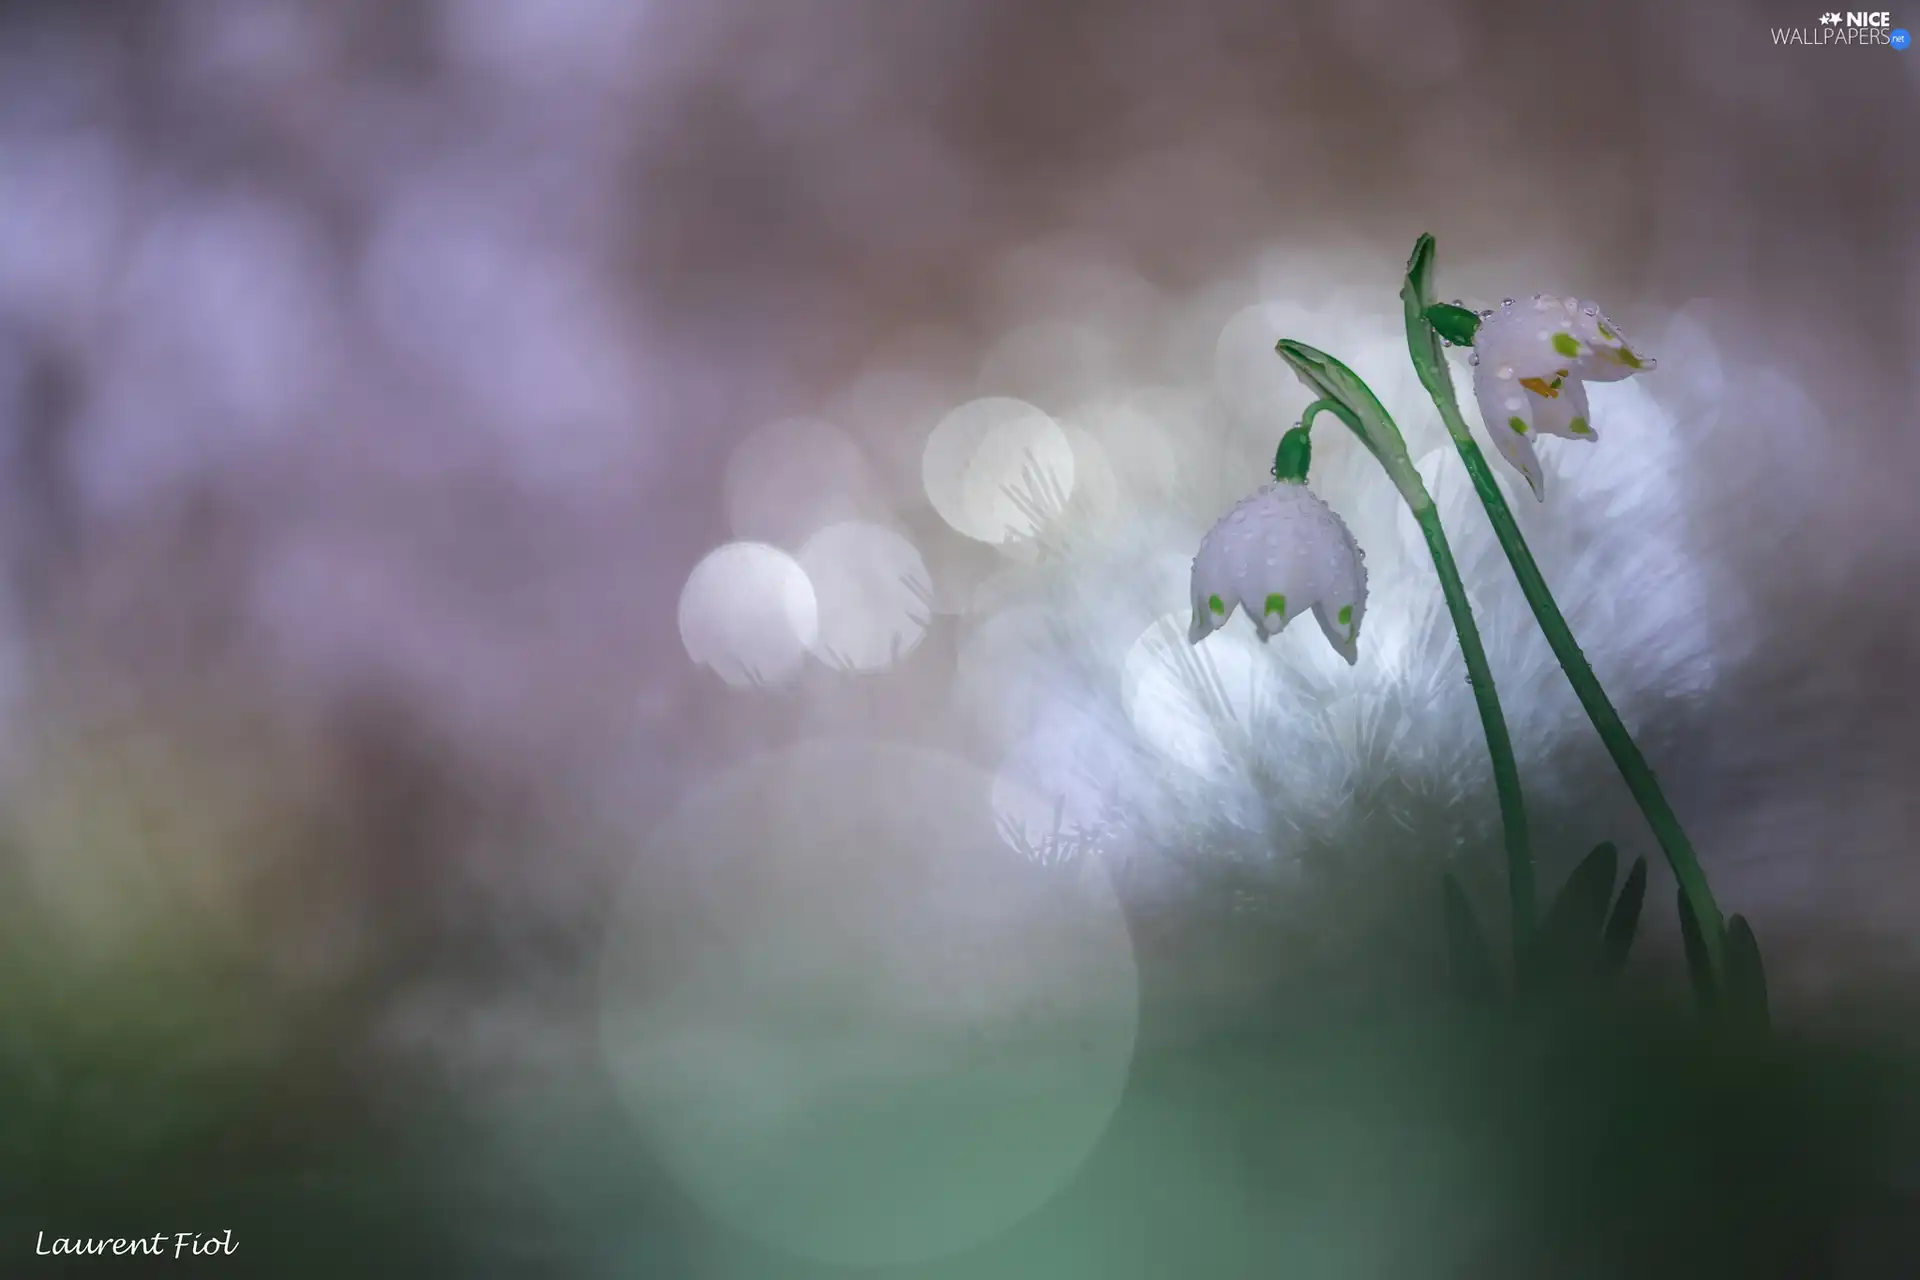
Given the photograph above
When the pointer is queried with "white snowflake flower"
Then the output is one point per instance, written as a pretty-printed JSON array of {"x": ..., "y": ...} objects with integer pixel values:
[
  {"x": 1531, "y": 362},
  {"x": 1277, "y": 554}
]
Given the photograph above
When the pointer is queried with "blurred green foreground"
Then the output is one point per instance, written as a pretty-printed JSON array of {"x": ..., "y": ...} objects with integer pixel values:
[{"x": 1383, "y": 1132}]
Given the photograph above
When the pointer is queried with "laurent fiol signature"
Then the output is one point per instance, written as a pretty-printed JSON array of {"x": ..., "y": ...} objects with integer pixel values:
[{"x": 183, "y": 1244}]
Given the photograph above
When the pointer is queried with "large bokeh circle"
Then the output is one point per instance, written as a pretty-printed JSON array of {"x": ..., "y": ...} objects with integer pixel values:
[{"x": 850, "y": 1020}]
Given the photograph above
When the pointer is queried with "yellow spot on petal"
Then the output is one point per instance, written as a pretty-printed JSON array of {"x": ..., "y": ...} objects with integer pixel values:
[
  {"x": 1541, "y": 387},
  {"x": 1579, "y": 427},
  {"x": 1216, "y": 604},
  {"x": 1519, "y": 425},
  {"x": 1276, "y": 603},
  {"x": 1566, "y": 344}
]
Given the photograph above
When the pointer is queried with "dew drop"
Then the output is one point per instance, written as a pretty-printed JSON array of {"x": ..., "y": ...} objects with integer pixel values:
[
  {"x": 1474, "y": 359},
  {"x": 1506, "y": 304}
]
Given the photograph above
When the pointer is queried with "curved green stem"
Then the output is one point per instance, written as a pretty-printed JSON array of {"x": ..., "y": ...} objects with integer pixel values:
[
  {"x": 1329, "y": 404},
  {"x": 1506, "y": 770},
  {"x": 1430, "y": 362}
]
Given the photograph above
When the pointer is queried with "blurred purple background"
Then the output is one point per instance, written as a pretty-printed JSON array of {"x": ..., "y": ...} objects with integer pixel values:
[{"x": 374, "y": 375}]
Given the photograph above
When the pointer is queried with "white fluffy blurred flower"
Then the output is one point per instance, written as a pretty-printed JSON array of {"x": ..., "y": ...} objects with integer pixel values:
[
  {"x": 1531, "y": 362},
  {"x": 1277, "y": 554}
]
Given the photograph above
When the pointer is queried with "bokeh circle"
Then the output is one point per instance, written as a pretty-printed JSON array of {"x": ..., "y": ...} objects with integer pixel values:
[
  {"x": 853, "y": 1023},
  {"x": 749, "y": 613}
]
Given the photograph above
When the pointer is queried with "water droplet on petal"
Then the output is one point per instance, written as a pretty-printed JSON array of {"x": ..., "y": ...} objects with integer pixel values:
[
  {"x": 1593, "y": 311},
  {"x": 1474, "y": 359},
  {"x": 1506, "y": 304}
]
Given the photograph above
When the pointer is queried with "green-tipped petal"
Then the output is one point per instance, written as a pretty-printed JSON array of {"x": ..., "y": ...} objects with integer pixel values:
[
  {"x": 1506, "y": 408},
  {"x": 1278, "y": 553}
]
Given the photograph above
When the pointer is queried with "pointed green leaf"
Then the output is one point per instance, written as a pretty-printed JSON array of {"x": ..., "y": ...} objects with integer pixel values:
[
  {"x": 1570, "y": 931},
  {"x": 1329, "y": 379},
  {"x": 1699, "y": 965},
  {"x": 1746, "y": 977},
  {"x": 1467, "y": 951},
  {"x": 1429, "y": 360},
  {"x": 1617, "y": 941},
  {"x": 1418, "y": 291},
  {"x": 1423, "y": 342},
  {"x": 1581, "y": 905}
]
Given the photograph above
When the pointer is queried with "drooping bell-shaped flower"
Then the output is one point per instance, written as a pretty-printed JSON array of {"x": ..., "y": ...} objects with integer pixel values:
[
  {"x": 1531, "y": 362},
  {"x": 1277, "y": 554}
]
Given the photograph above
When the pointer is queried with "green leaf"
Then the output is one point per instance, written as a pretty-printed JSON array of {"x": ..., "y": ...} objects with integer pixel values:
[
  {"x": 1572, "y": 926},
  {"x": 1699, "y": 964},
  {"x": 1430, "y": 361},
  {"x": 1467, "y": 951},
  {"x": 1361, "y": 410},
  {"x": 1617, "y": 941},
  {"x": 1423, "y": 343},
  {"x": 1323, "y": 375},
  {"x": 1420, "y": 272},
  {"x": 1746, "y": 977}
]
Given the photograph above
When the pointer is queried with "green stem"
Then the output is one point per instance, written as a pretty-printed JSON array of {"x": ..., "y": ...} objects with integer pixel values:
[
  {"x": 1506, "y": 770},
  {"x": 1338, "y": 408},
  {"x": 1430, "y": 362}
]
